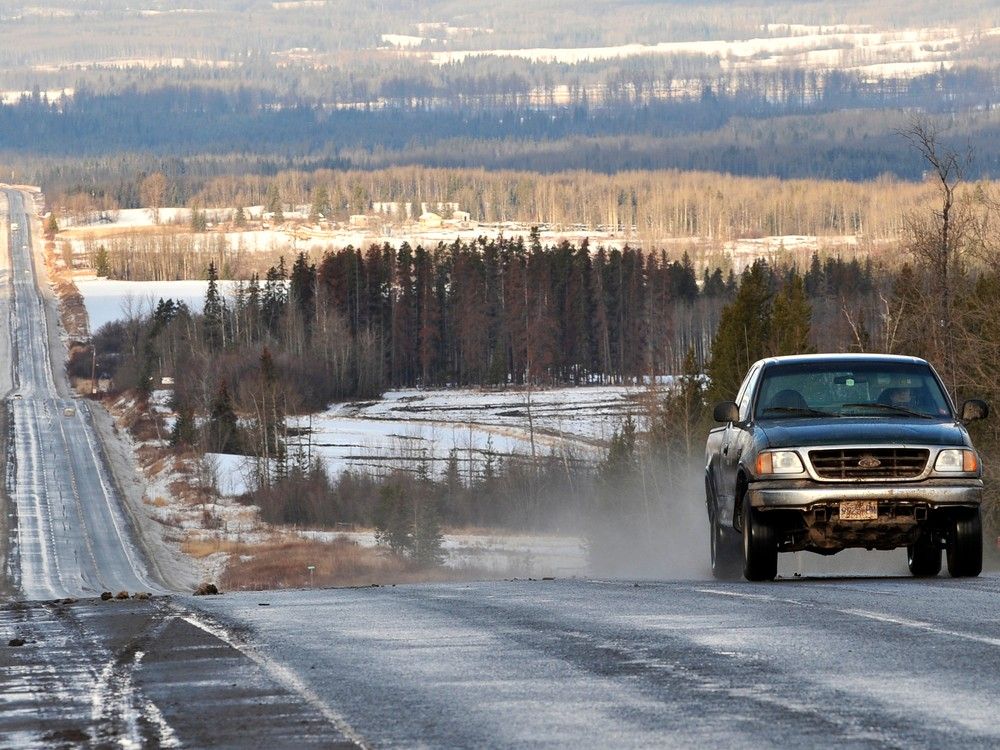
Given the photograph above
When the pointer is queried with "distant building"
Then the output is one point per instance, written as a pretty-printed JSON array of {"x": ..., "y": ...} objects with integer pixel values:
[
  {"x": 463, "y": 216},
  {"x": 431, "y": 220}
]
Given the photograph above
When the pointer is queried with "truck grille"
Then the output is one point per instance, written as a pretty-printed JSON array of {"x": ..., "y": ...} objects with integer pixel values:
[{"x": 869, "y": 463}]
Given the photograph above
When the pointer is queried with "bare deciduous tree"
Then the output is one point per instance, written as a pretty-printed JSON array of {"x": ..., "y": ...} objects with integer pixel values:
[
  {"x": 937, "y": 238},
  {"x": 153, "y": 193}
]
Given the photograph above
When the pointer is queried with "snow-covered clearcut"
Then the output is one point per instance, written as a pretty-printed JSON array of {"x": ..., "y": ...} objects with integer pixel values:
[{"x": 830, "y": 451}]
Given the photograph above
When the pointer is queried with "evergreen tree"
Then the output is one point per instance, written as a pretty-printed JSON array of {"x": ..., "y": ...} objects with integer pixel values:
[
  {"x": 240, "y": 218},
  {"x": 427, "y": 535},
  {"x": 273, "y": 203},
  {"x": 678, "y": 425},
  {"x": 274, "y": 295},
  {"x": 102, "y": 262},
  {"x": 223, "y": 425},
  {"x": 51, "y": 226},
  {"x": 320, "y": 207},
  {"x": 791, "y": 320},
  {"x": 453, "y": 489},
  {"x": 199, "y": 220},
  {"x": 815, "y": 282},
  {"x": 185, "y": 431},
  {"x": 622, "y": 459},
  {"x": 743, "y": 334},
  {"x": 214, "y": 311},
  {"x": 302, "y": 287},
  {"x": 393, "y": 521},
  {"x": 714, "y": 285}
]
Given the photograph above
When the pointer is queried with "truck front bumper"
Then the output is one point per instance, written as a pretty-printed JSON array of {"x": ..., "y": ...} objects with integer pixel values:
[{"x": 805, "y": 494}]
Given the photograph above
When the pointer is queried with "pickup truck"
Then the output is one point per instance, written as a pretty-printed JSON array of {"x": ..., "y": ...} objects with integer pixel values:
[{"x": 829, "y": 451}]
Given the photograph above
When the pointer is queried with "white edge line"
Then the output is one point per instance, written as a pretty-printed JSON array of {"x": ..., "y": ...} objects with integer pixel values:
[
  {"x": 918, "y": 625},
  {"x": 284, "y": 675}
]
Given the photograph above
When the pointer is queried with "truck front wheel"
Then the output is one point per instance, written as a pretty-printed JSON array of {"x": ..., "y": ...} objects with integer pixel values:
[
  {"x": 965, "y": 545},
  {"x": 760, "y": 548},
  {"x": 923, "y": 557},
  {"x": 725, "y": 552}
]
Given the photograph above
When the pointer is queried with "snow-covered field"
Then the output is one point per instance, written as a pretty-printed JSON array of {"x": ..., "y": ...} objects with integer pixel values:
[
  {"x": 107, "y": 300},
  {"x": 828, "y": 47},
  {"x": 495, "y": 553},
  {"x": 85, "y": 232},
  {"x": 409, "y": 428}
]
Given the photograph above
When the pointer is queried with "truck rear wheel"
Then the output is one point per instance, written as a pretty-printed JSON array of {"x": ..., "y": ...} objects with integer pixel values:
[
  {"x": 923, "y": 557},
  {"x": 760, "y": 548},
  {"x": 725, "y": 552},
  {"x": 965, "y": 546}
]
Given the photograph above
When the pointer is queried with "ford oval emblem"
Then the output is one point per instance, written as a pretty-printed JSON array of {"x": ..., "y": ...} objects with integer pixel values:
[{"x": 869, "y": 462}]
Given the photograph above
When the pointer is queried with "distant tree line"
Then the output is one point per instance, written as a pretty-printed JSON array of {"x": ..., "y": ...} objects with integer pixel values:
[{"x": 743, "y": 133}]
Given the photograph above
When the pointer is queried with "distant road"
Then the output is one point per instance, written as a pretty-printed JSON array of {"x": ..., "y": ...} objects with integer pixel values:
[{"x": 71, "y": 536}]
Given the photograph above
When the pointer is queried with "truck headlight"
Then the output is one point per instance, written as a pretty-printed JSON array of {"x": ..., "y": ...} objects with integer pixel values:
[
  {"x": 779, "y": 462},
  {"x": 957, "y": 460}
]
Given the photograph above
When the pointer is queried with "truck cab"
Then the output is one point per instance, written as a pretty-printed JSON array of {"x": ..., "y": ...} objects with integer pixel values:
[{"x": 826, "y": 452}]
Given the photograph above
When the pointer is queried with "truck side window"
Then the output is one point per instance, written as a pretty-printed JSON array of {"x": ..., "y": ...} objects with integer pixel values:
[
  {"x": 744, "y": 384},
  {"x": 745, "y": 399}
]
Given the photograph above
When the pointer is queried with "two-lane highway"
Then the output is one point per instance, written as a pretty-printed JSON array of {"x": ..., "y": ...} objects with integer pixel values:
[
  {"x": 852, "y": 662},
  {"x": 72, "y": 537}
]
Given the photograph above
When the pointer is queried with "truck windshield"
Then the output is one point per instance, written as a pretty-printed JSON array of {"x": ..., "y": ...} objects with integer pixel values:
[{"x": 851, "y": 388}]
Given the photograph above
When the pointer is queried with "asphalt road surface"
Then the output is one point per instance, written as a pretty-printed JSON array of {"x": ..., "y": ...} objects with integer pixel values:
[{"x": 879, "y": 662}]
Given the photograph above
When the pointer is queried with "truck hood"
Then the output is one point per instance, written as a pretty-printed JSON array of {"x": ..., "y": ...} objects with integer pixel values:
[{"x": 789, "y": 433}]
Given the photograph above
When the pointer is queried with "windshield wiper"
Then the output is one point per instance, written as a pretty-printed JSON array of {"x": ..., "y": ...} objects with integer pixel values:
[
  {"x": 890, "y": 407},
  {"x": 800, "y": 410}
]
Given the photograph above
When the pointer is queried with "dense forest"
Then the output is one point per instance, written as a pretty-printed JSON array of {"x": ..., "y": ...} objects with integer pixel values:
[
  {"x": 304, "y": 85},
  {"x": 492, "y": 313},
  {"x": 715, "y": 132}
]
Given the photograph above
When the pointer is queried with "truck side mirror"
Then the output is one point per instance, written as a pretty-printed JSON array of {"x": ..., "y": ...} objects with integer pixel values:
[
  {"x": 726, "y": 411},
  {"x": 974, "y": 409}
]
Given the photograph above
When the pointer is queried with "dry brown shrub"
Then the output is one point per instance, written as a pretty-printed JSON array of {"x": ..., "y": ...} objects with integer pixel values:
[
  {"x": 148, "y": 427},
  {"x": 198, "y": 547},
  {"x": 184, "y": 490},
  {"x": 157, "y": 465},
  {"x": 284, "y": 564},
  {"x": 175, "y": 520}
]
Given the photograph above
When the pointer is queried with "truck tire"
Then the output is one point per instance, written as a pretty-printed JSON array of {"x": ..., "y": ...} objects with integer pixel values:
[
  {"x": 923, "y": 557},
  {"x": 965, "y": 546},
  {"x": 760, "y": 549},
  {"x": 725, "y": 552}
]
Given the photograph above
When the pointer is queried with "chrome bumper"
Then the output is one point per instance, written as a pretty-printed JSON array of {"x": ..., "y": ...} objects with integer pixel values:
[{"x": 797, "y": 493}]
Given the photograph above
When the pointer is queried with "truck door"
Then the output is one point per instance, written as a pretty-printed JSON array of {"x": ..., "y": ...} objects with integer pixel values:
[{"x": 735, "y": 439}]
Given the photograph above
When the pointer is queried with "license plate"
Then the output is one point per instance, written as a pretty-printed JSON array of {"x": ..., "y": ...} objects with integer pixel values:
[{"x": 859, "y": 510}]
